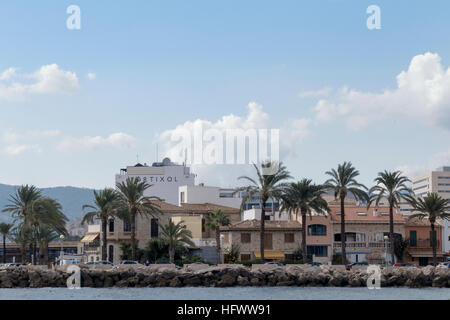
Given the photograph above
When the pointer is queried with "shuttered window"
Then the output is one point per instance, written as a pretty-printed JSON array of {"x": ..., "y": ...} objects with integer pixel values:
[{"x": 413, "y": 238}]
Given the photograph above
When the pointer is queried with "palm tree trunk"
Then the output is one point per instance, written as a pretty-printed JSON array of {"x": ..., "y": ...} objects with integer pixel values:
[
  {"x": 4, "y": 248},
  {"x": 344, "y": 253},
  {"x": 46, "y": 260},
  {"x": 172, "y": 254},
  {"x": 263, "y": 224},
  {"x": 303, "y": 212},
  {"x": 104, "y": 244},
  {"x": 23, "y": 253},
  {"x": 41, "y": 254},
  {"x": 133, "y": 233},
  {"x": 391, "y": 231},
  {"x": 433, "y": 244},
  {"x": 219, "y": 257}
]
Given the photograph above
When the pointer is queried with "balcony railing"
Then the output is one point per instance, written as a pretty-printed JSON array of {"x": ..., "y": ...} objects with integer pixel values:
[
  {"x": 420, "y": 244},
  {"x": 206, "y": 242},
  {"x": 356, "y": 244}
]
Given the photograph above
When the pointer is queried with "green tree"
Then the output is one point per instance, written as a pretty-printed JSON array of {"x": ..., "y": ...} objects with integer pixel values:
[
  {"x": 390, "y": 185},
  {"x": 106, "y": 203},
  {"x": 343, "y": 182},
  {"x": 5, "y": 230},
  {"x": 432, "y": 207},
  {"x": 306, "y": 198},
  {"x": 45, "y": 235},
  {"x": 268, "y": 184},
  {"x": 174, "y": 235},
  {"x": 132, "y": 202},
  {"x": 215, "y": 220}
]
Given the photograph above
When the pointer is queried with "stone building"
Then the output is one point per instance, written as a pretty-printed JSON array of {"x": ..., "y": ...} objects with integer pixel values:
[
  {"x": 147, "y": 227},
  {"x": 281, "y": 239}
]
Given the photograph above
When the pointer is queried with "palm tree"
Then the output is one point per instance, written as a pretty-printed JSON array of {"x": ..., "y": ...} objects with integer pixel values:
[
  {"x": 22, "y": 236},
  {"x": 132, "y": 202},
  {"x": 45, "y": 211},
  {"x": 214, "y": 221},
  {"x": 390, "y": 185},
  {"x": 343, "y": 182},
  {"x": 45, "y": 235},
  {"x": 20, "y": 205},
  {"x": 306, "y": 197},
  {"x": 105, "y": 207},
  {"x": 174, "y": 235},
  {"x": 265, "y": 186},
  {"x": 433, "y": 207},
  {"x": 5, "y": 230}
]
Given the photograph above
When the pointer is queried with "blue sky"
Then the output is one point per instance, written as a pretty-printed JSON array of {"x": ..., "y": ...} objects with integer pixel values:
[{"x": 159, "y": 64}]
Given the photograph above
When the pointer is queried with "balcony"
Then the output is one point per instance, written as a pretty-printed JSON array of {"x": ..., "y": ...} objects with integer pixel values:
[
  {"x": 354, "y": 244},
  {"x": 424, "y": 244},
  {"x": 205, "y": 242}
]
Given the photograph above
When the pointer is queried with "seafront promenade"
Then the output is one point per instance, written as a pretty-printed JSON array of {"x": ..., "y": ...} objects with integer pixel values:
[{"x": 225, "y": 276}]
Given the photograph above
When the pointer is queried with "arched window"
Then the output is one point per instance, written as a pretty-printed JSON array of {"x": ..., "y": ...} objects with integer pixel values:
[{"x": 317, "y": 230}]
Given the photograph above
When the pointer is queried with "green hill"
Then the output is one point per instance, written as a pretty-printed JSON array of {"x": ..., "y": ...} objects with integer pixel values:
[{"x": 71, "y": 199}]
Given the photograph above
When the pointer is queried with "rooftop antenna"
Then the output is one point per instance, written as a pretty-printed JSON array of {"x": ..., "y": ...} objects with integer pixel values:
[
  {"x": 156, "y": 152},
  {"x": 137, "y": 158}
]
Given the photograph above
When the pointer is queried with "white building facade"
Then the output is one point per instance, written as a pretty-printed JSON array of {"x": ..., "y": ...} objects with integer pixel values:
[
  {"x": 165, "y": 177},
  {"x": 436, "y": 181}
]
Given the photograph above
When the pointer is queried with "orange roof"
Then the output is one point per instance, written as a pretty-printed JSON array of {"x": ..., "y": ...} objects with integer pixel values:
[
  {"x": 193, "y": 208},
  {"x": 351, "y": 214},
  {"x": 254, "y": 225},
  {"x": 421, "y": 222}
]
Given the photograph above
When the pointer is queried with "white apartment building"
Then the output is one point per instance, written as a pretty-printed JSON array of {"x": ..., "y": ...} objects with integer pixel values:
[
  {"x": 165, "y": 177},
  {"x": 205, "y": 194},
  {"x": 436, "y": 181}
]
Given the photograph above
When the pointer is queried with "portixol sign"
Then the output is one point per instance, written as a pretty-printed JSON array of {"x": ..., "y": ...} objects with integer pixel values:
[{"x": 160, "y": 179}]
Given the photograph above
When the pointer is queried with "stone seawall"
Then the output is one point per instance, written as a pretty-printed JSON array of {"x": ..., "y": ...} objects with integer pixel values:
[{"x": 225, "y": 276}]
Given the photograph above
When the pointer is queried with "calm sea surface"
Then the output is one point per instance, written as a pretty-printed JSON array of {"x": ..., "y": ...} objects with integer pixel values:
[{"x": 234, "y": 293}]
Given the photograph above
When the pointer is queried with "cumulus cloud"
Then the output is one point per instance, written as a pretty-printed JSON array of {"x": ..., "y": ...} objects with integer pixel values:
[
  {"x": 91, "y": 76},
  {"x": 17, "y": 149},
  {"x": 117, "y": 140},
  {"x": 422, "y": 94},
  {"x": 47, "y": 79},
  {"x": 176, "y": 146}
]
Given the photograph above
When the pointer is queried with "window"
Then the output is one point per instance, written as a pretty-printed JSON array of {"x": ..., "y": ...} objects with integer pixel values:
[
  {"x": 384, "y": 213},
  {"x": 203, "y": 225},
  {"x": 413, "y": 238},
  {"x": 361, "y": 213},
  {"x": 225, "y": 195},
  {"x": 226, "y": 238},
  {"x": 419, "y": 181},
  {"x": 267, "y": 217},
  {"x": 288, "y": 237},
  {"x": 289, "y": 256},
  {"x": 317, "y": 230},
  {"x": 111, "y": 225},
  {"x": 421, "y": 187},
  {"x": 126, "y": 226},
  {"x": 154, "y": 228},
  {"x": 245, "y": 257},
  {"x": 111, "y": 253},
  {"x": 182, "y": 197},
  {"x": 268, "y": 241},
  {"x": 318, "y": 251},
  {"x": 246, "y": 237}
]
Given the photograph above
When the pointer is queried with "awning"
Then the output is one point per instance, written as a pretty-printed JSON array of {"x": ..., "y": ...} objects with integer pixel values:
[
  {"x": 270, "y": 255},
  {"x": 89, "y": 237}
]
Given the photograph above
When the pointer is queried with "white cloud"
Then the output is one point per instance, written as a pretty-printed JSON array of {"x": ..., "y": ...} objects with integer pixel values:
[
  {"x": 91, "y": 76},
  {"x": 422, "y": 94},
  {"x": 8, "y": 74},
  {"x": 292, "y": 133},
  {"x": 116, "y": 140},
  {"x": 48, "y": 79},
  {"x": 17, "y": 149},
  {"x": 16, "y": 143}
]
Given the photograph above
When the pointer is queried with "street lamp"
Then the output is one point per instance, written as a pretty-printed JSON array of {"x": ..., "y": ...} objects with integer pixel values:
[
  {"x": 385, "y": 249},
  {"x": 61, "y": 253}
]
